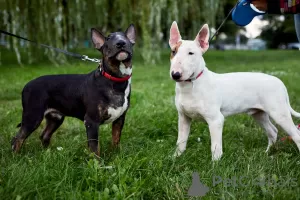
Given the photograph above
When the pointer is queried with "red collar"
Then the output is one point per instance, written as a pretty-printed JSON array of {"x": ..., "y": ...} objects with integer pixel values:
[
  {"x": 116, "y": 79},
  {"x": 190, "y": 80}
]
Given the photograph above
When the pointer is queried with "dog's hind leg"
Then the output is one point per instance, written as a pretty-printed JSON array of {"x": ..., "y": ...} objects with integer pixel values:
[
  {"x": 263, "y": 119},
  {"x": 53, "y": 121},
  {"x": 30, "y": 122},
  {"x": 34, "y": 106},
  {"x": 284, "y": 119}
]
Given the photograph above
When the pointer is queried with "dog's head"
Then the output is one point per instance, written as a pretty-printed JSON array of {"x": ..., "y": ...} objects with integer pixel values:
[
  {"x": 186, "y": 56},
  {"x": 117, "y": 50}
]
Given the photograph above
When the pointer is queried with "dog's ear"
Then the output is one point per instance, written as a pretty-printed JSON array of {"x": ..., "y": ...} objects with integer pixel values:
[
  {"x": 131, "y": 34},
  {"x": 98, "y": 38},
  {"x": 202, "y": 38},
  {"x": 175, "y": 36}
]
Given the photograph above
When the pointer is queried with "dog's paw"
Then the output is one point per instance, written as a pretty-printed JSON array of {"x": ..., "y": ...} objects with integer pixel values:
[
  {"x": 216, "y": 156},
  {"x": 177, "y": 153},
  {"x": 16, "y": 144}
]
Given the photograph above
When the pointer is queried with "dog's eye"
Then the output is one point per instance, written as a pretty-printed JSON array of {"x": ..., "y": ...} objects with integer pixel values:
[
  {"x": 191, "y": 53},
  {"x": 173, "y": 53}
]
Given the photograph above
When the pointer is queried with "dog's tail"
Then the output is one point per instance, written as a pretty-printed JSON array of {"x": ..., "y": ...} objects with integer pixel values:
[{"x": 293, "y": 112}]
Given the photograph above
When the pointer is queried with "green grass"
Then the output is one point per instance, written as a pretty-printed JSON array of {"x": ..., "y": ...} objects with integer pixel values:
[{"x": 143, "y": 167}]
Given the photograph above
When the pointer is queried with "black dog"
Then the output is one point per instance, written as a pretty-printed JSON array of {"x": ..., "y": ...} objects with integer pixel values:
[{"x": 102, "y": 96}]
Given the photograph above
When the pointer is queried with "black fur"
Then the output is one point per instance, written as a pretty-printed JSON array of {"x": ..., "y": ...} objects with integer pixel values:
[{"x": 83, "y": 96}]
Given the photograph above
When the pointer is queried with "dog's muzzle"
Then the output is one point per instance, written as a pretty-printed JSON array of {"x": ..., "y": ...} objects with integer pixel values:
[{"x": 122, "y": 56}]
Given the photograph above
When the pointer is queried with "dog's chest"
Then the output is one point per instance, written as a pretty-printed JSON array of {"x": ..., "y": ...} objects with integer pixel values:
[
  {"x": 190, "y": 105},
  {"x": 115, "y": 112},
  {"x": 190, "y": 109}
]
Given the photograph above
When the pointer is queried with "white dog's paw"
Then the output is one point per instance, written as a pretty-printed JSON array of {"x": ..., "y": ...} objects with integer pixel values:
[
  {"x": 177, "y": 153},
  {"x": 216, "y": 155},
  {"x": 268, "y": 149}
]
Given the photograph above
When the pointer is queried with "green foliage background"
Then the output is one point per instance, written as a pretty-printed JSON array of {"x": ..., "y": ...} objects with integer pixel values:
[{"x": 66, "y": 24}]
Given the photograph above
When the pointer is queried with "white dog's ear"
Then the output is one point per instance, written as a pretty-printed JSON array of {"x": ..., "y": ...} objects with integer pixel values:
[
  {"x": 175, "y": 36},
  {"x": 202, "y": 38}
]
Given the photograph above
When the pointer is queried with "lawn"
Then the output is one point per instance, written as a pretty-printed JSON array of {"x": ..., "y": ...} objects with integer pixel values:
[{"x": 143, "y": 167}]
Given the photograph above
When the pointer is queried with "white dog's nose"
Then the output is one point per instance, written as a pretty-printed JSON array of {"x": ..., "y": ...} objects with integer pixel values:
[{"x": 176, "y": 75}]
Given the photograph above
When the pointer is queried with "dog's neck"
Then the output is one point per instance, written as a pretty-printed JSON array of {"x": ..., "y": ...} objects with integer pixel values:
[
  {"x": 199, "y": 74},
  {"x": 108, "y": 74},
  {"x": 108, "y": 69},
  {"x": 205, "y": 74}
]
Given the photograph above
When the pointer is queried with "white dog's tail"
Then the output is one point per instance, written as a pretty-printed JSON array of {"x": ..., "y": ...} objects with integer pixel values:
[
  {"x": 293, "y": 112},
  {"x": 296, "y": 114}
]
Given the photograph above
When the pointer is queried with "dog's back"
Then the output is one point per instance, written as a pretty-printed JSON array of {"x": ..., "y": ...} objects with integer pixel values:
[{"x": 61, "y": 92}]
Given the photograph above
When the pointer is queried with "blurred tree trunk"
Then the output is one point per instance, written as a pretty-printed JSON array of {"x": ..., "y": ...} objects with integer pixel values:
[
  {"x": 66, "y": 24},
  {"x": 14, "y": 28},
  {"x": 31, "y": 27}
]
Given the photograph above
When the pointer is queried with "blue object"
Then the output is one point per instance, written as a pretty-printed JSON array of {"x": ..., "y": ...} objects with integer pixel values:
[
  {"x": 244, "y": 13},
  {"x": 297, "y": 25}
]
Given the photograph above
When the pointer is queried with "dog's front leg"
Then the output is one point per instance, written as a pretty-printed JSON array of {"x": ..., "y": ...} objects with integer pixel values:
[
  {"x": 117, "y": 127},
  {"x": 216, "y": 128},
  {"x": 92, "y": 128},
  {"x": 184, "y": 124}
]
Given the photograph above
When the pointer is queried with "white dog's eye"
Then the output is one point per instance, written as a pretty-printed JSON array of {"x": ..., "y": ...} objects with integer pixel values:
[{"x": 191, "y": 53}]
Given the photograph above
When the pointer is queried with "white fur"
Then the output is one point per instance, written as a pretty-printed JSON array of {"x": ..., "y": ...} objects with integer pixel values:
[
  {"x": 213, "y": 97},
  {"x": 187, "y": 64},
  {"x": 54, "y": 113},
  {"x": 125, "y": 70},
  {"x": 116, "y": 113}
]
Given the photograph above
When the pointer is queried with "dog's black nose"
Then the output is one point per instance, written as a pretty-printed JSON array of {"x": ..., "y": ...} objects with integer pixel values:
[
  {"x": 120, "y": 44},
  {"x": 176, "y": 75}
]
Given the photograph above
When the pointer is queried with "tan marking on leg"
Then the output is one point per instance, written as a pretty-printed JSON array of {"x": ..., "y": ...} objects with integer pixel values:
[
  {"x": 116, "y": 133},
  {"x": 17, "y": 144}
]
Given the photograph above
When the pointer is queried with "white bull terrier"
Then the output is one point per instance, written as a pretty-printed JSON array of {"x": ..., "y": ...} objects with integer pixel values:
[{"x": 203, "y": 94}]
